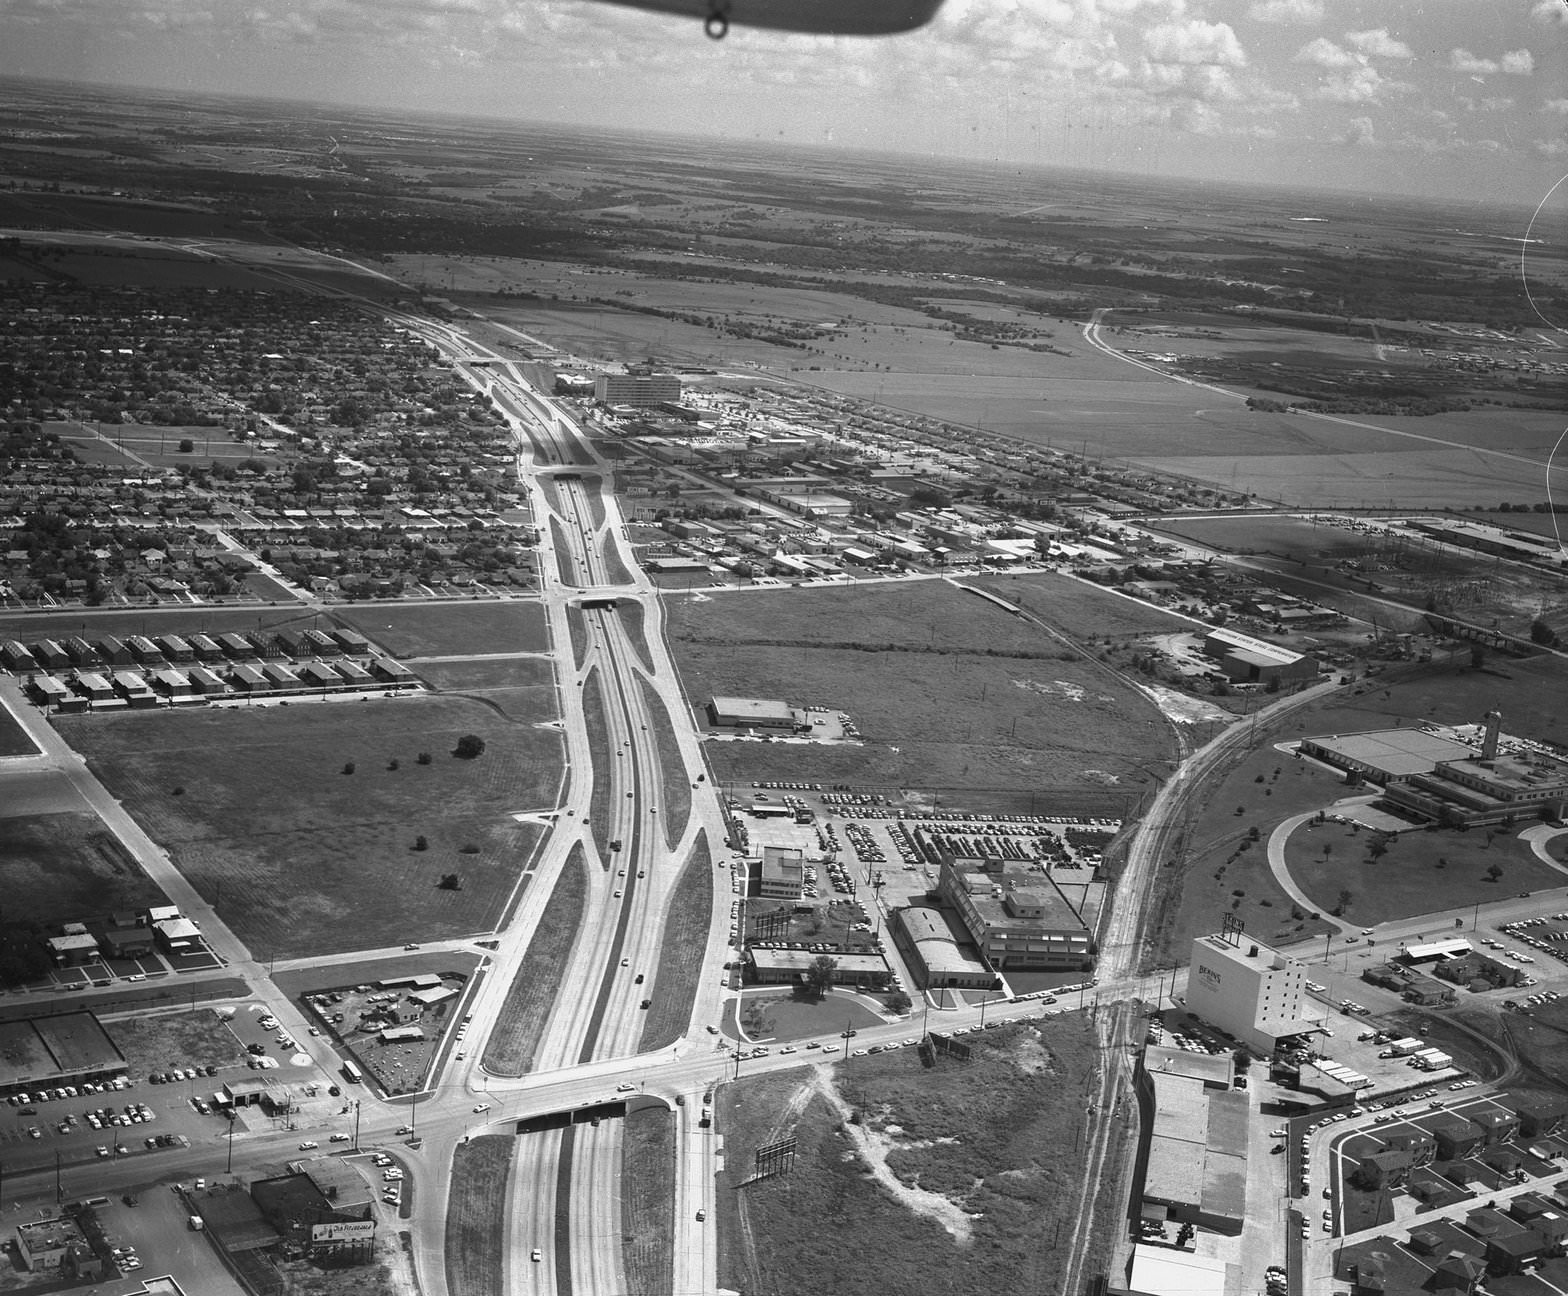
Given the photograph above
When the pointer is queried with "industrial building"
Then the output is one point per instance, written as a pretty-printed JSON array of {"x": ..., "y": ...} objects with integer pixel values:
[
  {"x": 937, "y": 951},
  {"x": 1018, "y": 919},
  {"x": 1246, "y": 660},
  {"x": 751, "y": 713},
  {"x": 1196, "y": 1168},
  {"x": 1248, "y": 990},
  {"x": 1382, "y": 755},
  {"x": 1491, "y": 788},
  {"x": 781, "y": 875}
]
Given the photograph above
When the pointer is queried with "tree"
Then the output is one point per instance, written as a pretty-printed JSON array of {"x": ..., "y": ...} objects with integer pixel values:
[
  {"x": 1494, "y": 872},
  {"x": 468, "y": 747},
  {"x": 421, "y": 843},
  {"x": 186, "y": 445},
  {"x": 348, "y": 768},
  {"x": 819, "y": 974},
  {"x": 423, "y": 758},
  {"x": 450, "y": 882},
  {"x": 1345, "y": 898},
  {"x": 899, "y": 1002}
]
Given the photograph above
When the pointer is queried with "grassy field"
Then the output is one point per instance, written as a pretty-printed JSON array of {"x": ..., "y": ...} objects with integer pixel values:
[
  {"x": 1078, "y": 608},
  {"x": 674, "y": 788},
  {"x": 990, "y": 1134},
  {"x": 476, "y": 1216},
  {"x": 1191, "y": 897},
  {"x": 13, "y": 738},
  {"x": 510, "y": 1049},
  {"x": 302, "y": 857},
  {"x": 451, "y": 629},
  {"x": 510, "y": 673},
  {"x": 1423, "y": 872},
  {"x": 66, "y": 867},
  {"x": 949, "y": 692},
  {"x": 164, "y": 1040},
  {"x": 597, "y": 728},
  {"x": 648, "y": 1200},
  {"x": 685, "y": 939},
  {"x": 178, "y": 619}
]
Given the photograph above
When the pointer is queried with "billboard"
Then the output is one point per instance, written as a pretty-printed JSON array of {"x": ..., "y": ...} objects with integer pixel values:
[{"x": 344, "y": 1231}]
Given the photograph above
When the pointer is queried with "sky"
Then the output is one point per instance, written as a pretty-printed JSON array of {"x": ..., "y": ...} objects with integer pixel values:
[{"x": 1439, "y": 98}]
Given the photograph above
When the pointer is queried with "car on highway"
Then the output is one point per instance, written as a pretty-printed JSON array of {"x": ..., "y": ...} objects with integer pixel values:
[
  {"x": 481, "y": 1107},
  {"x": 536, "y": 1255},
  {"x": 308, "y": 1144},
  {"x": 624, "y": 1088},
  {"x": 701, "y": 1215}
]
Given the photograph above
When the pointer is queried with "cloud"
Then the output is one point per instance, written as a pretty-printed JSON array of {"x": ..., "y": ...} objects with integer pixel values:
[
  {"x": 1324, "y": 53},
  {"x": 1377, "y": 43},
  {"x": 1359, "y": 133},
  {"x": 1286, "y": 11},
  {"x": 1363, "y": 85},
  {"x": 1559, "y": 106},
  {"x": 1519, "y": 62},
  {"x": 1461, "y": 60},
  {"x": 1551, "y": 148},
  {"x": 1194, "y": 41},
  {"x": 1551, "y": 13}
]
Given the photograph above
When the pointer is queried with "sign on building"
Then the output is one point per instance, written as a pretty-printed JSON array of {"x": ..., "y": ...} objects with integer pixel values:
[{"x": 343, "y": 1231}]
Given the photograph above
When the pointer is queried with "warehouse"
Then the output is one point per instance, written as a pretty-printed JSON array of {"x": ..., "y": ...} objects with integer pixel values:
[
  {"x": 61, "y": 1050},
  {"x": 1246, "y": 660},
  {"x": 1197, "y": 1162},
  {"x": 751, "y": 713},
  {"x": 937, "y": 953},
  {"x": 1380, "y": 755}
]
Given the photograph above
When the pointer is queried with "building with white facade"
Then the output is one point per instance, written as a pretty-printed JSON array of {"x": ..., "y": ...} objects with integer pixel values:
[{"x": 1243, "y": 987}]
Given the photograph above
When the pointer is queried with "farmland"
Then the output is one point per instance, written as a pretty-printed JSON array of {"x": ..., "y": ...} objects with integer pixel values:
[{"x": 292, "y": 820}]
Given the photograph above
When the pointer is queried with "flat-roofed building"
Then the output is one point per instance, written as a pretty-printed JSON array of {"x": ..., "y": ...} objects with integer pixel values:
[
  {"x": 782, "y": 873},
  {"x": 1379, "y": 755},
  {"x": 59, "y": 1050},
  {"x": 787, "y": 966},
  {"x": 751, "y": 713},
  {"x": 1196, "y": 1168},
  {"x": 75, "y": 947},
  {"x": 636, "y": 389},
  {"x": 1019, "y": 920},
  {"x": 938, "y": 952},
  {"x": 1242, "y": 986}
]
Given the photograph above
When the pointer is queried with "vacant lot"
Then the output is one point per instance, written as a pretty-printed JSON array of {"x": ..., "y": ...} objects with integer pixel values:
[
  {"x": 489, "y": 675},
  {"x": 451, "y": 629},
  {"x": 950, "y": 693},
  {"x": 66, "y": 867},
  {"x": 476, "y": 1215},
  {"x": 984, "y": 1141},
  {"x": 1078, "y": 608},
  {"x": 295, "y": 823},
  {"x": 648, "y": 1200},
  {"x": 681, "y": 951},
  {"x": 512, "y": 1044},
  {"x": 13, "y": 738},
  {"x": 164, "y": 1040}
]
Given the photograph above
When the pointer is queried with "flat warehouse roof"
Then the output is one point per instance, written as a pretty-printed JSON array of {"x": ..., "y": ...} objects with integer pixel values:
[
  {"x": 767, "y": 708},
  {"x": 1395, "y": 751}
]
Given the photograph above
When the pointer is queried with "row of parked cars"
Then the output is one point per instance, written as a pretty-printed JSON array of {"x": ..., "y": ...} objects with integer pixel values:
[
  {"x": 63, "y": 1092},
  {"x": 181, "y": 1073}
]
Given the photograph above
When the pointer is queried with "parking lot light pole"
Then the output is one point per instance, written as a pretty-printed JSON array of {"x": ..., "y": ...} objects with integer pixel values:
[{"x": 356, "y": 1124}]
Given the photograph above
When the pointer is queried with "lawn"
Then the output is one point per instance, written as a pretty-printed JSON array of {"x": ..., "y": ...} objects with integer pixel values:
[
  {"x": 648, "y": 1200},
  {"x": 991, "y": 1135},
  {"x": 451, "y": 629},
  {"x": 476, "y": 1216},
  {"x": 492, "y": 673},
  {"x": 1078, "y": 608},
  {"x": 1422, "y": 872},
  {"x": 951, "y": 694},
  {"x": 782, "y": 1015},
  {"x": 597, "y": 728},
  {"x": 675, "y": 789},
  {"x": 164, "y": 1040},
  {"x": 14, "y": 740},
  {"x": 294, "y": 823},
  {"x": 685, "y": 940},
  {"x": 66, "y": 867},
  {"x": 511, "y": 1046}
]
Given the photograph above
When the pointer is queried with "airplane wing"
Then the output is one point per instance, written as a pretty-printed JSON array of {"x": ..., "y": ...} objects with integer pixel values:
[{"x": 819, "y": 17}]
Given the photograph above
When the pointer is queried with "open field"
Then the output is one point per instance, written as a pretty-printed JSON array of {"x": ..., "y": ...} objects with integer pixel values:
[
  {"x": 681, "y": 950},
  {"x": 159, "y": 1041},
  {"x": 983, "y": 1140},
  {"x": 292, "y": 821},
  {"x": 948, "y": 691},
  {"x": 67, "y": 868},
  {"x": 648, "y": 1199},
  {"x": 476, "y": 1215},
  {"x": 531, "y": 997},
  {"x": 442, "y": 629},
  {"x": 1080, "y": 609},
  {"x": 674, "y": 789},
  {"x": 168, "y": 618},
  {"x": 487, "y": 675},
  {"x": 1423, "y": 872}
]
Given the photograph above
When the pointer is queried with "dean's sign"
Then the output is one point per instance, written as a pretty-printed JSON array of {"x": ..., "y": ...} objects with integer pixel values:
[{"x": 1210, "y": 977}]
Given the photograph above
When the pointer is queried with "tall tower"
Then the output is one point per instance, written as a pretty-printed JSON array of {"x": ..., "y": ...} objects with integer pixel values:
[{"x": 1494, "y": 726}]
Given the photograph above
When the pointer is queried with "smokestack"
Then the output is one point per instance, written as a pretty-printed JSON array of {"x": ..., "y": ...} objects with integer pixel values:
[{"x": 1494, "y": 725}]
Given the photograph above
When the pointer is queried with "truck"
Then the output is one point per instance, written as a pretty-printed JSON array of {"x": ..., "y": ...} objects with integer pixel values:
[
  {"x": 1405, "y": 1047},
  {"x": 197, "y": 1224}
]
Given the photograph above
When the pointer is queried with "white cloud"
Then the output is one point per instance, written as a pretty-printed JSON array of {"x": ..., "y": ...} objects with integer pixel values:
[
  {"x": 1520, "y": 62},
  {"x": 1559, "y": 106},
  {"x": 1286, "y": 11},
  {"x": 1363, "y": 85},
  {"x": 1496, "y": 103},
  {"x": 1377, "y": 43},
  {"x": 1324, "y": 53},
  {"x": 1551, "y": 148},
  {"x": 1552, "y": 13},
  {"x": 1194, "y": 41},
  {"x": 1359, "y": 133},
  {"x": 1462, "y": 60}
]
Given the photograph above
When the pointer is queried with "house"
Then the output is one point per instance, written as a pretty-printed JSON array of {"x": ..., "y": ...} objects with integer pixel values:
[
  {"x": 1458, "y": 1272},
  {"x": 1540, "y": 1116},
  {"x": 1496, "y": 1125},
  {"x": 1456, "y": 1136},
  {"x": 1421, "y": 1146},
  {"x": 1386, "y": 1169}
]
